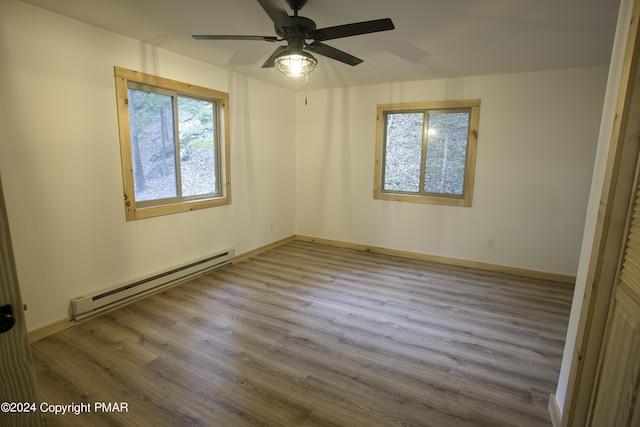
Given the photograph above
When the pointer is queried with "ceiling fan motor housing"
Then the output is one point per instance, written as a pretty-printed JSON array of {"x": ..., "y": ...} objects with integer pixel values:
[{"x": 301, "y": 26}]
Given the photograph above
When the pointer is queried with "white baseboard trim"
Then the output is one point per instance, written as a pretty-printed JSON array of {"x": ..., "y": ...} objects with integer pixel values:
[{"x": 554, "y": 411}]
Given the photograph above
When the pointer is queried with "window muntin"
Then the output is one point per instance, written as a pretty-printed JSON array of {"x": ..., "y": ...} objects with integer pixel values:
[
  {"x": 174, "y": 145},
  {"x": 426, "y": 152}
]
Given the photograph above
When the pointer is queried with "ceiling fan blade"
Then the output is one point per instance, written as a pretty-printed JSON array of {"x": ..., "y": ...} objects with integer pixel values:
[
  {"x": 279, "y": 16},
  {"x": 333, "y": 53},
  {"x": 271, "y": 62},
  {"x": 354, "y": 29},
  {"x": 223, "y": 37}
]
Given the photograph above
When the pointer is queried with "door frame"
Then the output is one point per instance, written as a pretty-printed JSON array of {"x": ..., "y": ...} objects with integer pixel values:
[
  {"x": 608, "y": 238},
  {"x": 17, "y": 374}
]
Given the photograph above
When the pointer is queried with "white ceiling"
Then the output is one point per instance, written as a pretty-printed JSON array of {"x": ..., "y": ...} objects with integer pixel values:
[{"x": 432, "y": 39}]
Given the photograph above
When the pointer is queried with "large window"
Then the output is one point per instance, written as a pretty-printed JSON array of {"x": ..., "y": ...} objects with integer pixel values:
[
  {"x": 174, "y": 143},
  {"x": 425, "y": 152}
]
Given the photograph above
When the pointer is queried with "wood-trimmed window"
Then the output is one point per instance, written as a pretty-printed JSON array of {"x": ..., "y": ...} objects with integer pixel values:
[
  {"x": 174, "y": 145},
  {"x": 426, "y": 152}
]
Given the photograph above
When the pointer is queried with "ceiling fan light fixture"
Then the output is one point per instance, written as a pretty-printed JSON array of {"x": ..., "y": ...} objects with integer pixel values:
[{"x": 295, "y": 64}]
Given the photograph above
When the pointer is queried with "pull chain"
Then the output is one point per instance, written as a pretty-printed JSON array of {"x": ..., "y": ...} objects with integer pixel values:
[{"x": 306, "y": 88}]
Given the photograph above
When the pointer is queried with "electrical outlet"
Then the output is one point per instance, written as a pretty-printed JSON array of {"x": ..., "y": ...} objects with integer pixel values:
[
  {"x": 491, "y": 243},
  {"x": 271, "y": 226}
]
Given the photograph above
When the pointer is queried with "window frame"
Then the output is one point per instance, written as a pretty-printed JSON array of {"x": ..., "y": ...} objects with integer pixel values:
[
  {"x": 463, "y": 200},
  {"x": 147, "y": 209}
]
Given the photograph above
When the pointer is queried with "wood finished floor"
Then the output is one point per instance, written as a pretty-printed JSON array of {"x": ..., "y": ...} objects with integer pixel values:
[{"x": 313, "y": 335}]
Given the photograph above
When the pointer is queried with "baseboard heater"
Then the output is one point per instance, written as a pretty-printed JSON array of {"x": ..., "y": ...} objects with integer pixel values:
[{"x": 87, "y": 305}]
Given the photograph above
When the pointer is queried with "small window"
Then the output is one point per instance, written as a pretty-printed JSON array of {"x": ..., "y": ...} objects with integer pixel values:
[
  {"x": 425, "y": 152},
  {"x": 174, "y": 144}
]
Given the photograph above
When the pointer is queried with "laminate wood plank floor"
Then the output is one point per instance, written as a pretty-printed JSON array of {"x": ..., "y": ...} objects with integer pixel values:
[{"x": 312, "y": 335}]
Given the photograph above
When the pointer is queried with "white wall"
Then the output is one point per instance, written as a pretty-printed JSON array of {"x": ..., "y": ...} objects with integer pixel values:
[
  {"x": 536, "y": 147},
  {"x": 60, "y": 162}
]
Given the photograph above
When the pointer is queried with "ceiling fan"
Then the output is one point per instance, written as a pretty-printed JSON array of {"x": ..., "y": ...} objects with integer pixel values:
[{"x": 303, "y": 37}]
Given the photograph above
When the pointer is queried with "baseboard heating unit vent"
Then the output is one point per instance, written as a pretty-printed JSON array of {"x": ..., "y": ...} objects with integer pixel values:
[{"x": 87, "y": 305}]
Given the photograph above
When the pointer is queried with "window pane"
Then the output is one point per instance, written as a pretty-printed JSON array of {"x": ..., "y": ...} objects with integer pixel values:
[
  {"x": 403, "y": 152},
  {"x": 197, "y": 147},
  {"x": 152, "y": 145},
  {"x": 446, "y": 152}
]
